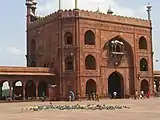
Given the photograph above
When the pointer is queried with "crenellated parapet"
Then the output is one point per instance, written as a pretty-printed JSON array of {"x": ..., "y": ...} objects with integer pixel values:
[
  {"x": 43, "y": 20},
  {"x": 114, "y": 18},
  {"x": 24, "y": 69},
  {"x": 53, "y": 16},
  {"x": 89, "y": 15}
]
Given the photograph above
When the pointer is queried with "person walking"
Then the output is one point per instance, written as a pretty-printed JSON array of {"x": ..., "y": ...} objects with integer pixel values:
[
  {"x": 114, "y": 95},
  {"x": 136, "y": 95},
  {"x": 142, "y": 94},
  {"x": 97, "y": 97}
]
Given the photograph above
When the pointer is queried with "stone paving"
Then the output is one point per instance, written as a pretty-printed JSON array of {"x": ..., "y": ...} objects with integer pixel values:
[{"x": 148, "y": 109}]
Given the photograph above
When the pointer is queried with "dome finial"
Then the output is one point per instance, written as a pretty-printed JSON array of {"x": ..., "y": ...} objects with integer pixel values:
[
  {"x": 110, "y": 11},
  {"x": 149, "y": 7},
  {"x": 98, "y": 10}
]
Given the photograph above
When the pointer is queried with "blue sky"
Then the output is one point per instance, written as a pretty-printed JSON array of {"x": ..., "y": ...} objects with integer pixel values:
[{"x": 13, "y": 14}]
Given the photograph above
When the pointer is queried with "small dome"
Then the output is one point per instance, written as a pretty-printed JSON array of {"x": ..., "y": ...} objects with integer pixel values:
[
  {"x": 33, "y": 6},
  {"x": 29, "y": 3},
  {"x": 34, "y": 2}
]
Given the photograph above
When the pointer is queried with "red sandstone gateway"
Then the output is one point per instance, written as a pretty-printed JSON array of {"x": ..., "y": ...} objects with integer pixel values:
[{"x": 87, "y": 52}]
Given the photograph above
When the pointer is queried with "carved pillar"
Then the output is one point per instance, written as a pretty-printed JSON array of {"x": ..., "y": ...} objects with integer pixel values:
[
  {"x": 1, "y": 84},
  {"x": 10, "y": 90},
  {"x": 83, "y": 90},
  {"x": 24, "y": 90},
  {"x": 98, "y": 87},
  {"x": 37, "y": 90},
  {"x": 158, "y": 86},
  {"x": 105, "y": 87}
]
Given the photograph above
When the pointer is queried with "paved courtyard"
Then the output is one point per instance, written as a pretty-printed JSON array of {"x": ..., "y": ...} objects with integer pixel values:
[{"x": 148, "y": 109}]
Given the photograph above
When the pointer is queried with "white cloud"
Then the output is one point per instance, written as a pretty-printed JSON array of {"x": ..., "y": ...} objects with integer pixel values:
[
  {"x": 14, "y": 51},
  {"x": 52, "y": 5}
]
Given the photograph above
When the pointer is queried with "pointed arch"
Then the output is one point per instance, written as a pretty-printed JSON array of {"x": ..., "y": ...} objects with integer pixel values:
[
  {"x": 5, "y": 89},
  {"x": 144, "y": 86},
  {"x": 118, "y": 48},
  {"x": 89, "y": 38},
  {"x": 68, "y": 37},
  {"x": 42, "y": 89},
  {"x": 90, "y": 62},
  {"x": 116, "y": 84},
  {"x": 91, "y": 86},
  {"x": 18, "y": 90},
  {"x": 30, "y": 89},
  {"x": 69, "y": 63},
  {"x": 128, "y": 53},
  {"x": 142, "y": 43},
  {"x": 143, "y": 65}
]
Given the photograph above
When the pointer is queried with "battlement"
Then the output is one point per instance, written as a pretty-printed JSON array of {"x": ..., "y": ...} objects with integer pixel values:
[
  {"x": 89, "y": 15},
  {"x": 24, "y": 69},
  {"x": 6, "y": 70},
  {"x": 52, "y": 17},
  {"x": 114, "y": 18}
]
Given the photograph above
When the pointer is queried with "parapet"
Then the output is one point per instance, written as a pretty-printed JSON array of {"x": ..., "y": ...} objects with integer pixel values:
[
  {"x": 114, "y": 18},
  {"x": 89, "y": 15},
  {"x": 24, "y": 69}
]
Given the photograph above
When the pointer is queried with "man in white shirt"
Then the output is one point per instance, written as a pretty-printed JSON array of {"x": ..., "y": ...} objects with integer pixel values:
[
  {"x": 142, "y": 93},
  {"x": 114, "y": 95}
]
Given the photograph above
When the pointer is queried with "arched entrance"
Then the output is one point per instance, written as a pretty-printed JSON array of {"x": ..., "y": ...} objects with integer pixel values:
[
  {"x": 91, "y": 87},
  {"x": 126, "y": 52},
  {"x": 156, "y": 86},
  {"x": 17, "y": 90},
  {"x": 115, "y": 84},
  {"x": 42, "y": 89},
  {"x": 144, "y": 86},
  {"x": 5, "y": 90},
  {"x": 30, "y": 90}
]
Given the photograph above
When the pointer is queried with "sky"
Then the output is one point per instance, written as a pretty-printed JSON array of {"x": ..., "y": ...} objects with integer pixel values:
[{"x": 13, "y": 26}]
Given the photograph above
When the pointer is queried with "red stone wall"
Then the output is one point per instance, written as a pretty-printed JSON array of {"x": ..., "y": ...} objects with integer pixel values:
[
  {"x": 104, "y": 32},
  {"x": 48, "y": 34},
  {"x": 46, "y": 42}
]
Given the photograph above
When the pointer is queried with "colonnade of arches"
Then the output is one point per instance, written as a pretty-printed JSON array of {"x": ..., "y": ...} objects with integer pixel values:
[
  {"x": 20, "y": 90},
  {"x": 90, "y": 63},
  {"x": 115, "y": 84},
  {"x": 89, "y": 39},
  {"x": 90, "y": 60},
  {"x": 156, "y": 85}
]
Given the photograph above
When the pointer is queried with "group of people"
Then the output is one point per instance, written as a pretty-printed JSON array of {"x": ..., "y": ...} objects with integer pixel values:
[
  {"x": 95, "y": 97},
  {"x": 92, "y": 96},
  {"x": 141, "y": 95},
  {"x": 113, "y": 95}
]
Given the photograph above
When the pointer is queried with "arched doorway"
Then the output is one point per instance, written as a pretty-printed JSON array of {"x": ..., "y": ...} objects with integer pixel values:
[
  {"x": 143, "y": 65},
  {"x": 156, "y": 86},
  {"x": 68, "y": 37},
  {"x": 89, "y": 38},
  {"x": 18, "y": 90},
  {"x": 5, "y": 90},
  {"x": 30, "y": 90},
  {"x": 91, "y": 87},
  {"x": 115, "y": 84},
  {"x": 126, "y": 52},
  {"x": 69, "y": 65},
  {"x": 90, "y": 62},
  {"x": 144, "y": 86},
  {"x": 143, "y": 43},
  {"x": 42, "y": 89}
]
